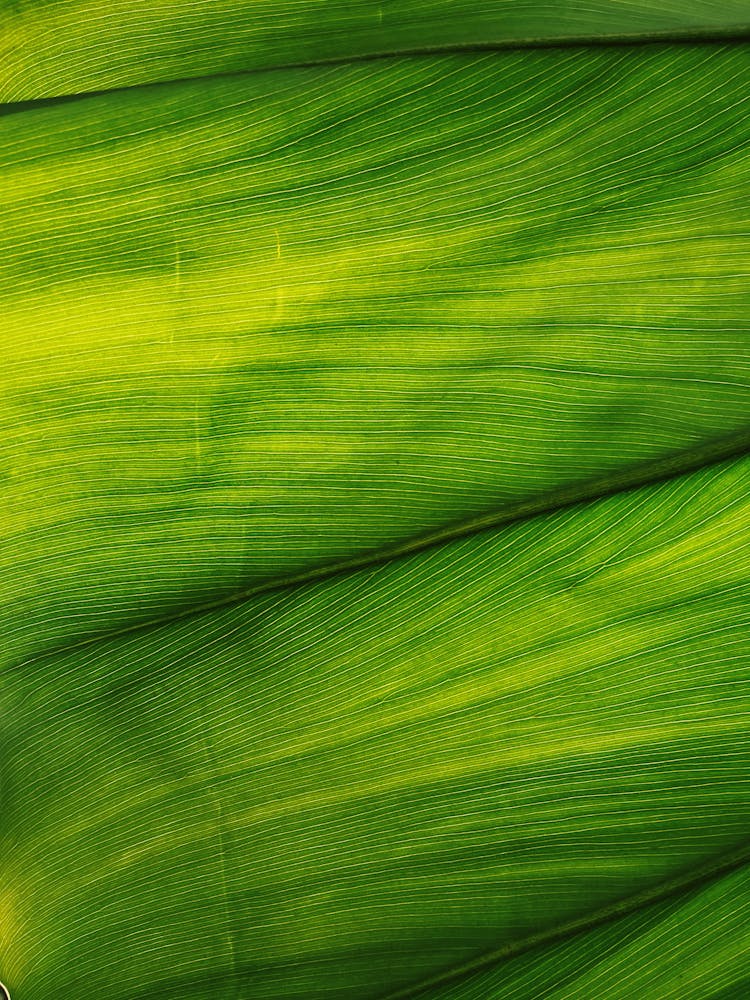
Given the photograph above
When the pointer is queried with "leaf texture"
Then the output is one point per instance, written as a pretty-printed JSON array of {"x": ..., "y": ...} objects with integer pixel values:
[
  {"x": 336, "y": 789},
  {"x": 73, "y": 46},
  {"x": 693, "y": 947},
  {"x": 262, "y": 323},
  {"x": 375, "y": 543}
]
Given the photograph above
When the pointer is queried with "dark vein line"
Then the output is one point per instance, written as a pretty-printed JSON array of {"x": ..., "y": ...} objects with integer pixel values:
[
  {"x": 711, "y": 452},
  {"x": 689, "y": 36},
  {"x": 684, "y": 882}
]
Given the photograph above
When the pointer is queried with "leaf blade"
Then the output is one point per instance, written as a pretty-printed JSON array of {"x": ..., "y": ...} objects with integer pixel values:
[
  {"x": 694, "y": 945},
  {"x": 81, "y": 47},
  {"x": 243, "y": 410},
  {"x": 496, "y": 735}
]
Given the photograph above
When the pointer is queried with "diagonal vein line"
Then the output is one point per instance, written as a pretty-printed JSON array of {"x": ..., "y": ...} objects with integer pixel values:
[
  {"x": 690, "y": 36},
  {"x": 643, "y": 474},
  {"x": 682, "y": 883}
]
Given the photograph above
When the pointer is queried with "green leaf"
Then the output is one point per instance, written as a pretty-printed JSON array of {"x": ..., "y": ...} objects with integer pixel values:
[
  {"x": 337, "y": 789},
  {"x": 694, "y": 946},
  {"x": 375, "y": 536},
  {"x": 49, "y": 49},
  {"x": 266, "y": 322}
]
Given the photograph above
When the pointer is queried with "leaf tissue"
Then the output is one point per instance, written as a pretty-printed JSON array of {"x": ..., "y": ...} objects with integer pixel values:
[{"x": 376, "y": 500}]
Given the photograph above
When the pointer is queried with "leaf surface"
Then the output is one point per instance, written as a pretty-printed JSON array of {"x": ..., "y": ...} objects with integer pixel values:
[
  {"x": 73, "y": 46},
  {"x": 264, "y": 323},
  {"x": 340, "y": 788},
  {"x": 693, "y": 946},
  {"x": 375, "y": 546}
]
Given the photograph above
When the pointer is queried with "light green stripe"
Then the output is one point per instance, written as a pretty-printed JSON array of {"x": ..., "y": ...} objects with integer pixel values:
[{"x": 265, "y": 324}]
